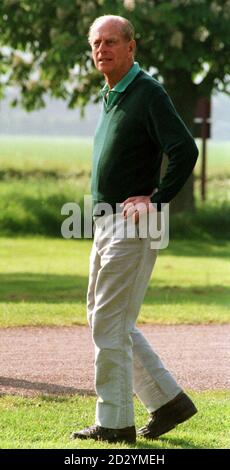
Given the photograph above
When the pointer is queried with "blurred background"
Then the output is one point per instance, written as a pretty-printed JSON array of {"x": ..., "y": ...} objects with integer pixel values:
[{"x": 58, "y": 120}]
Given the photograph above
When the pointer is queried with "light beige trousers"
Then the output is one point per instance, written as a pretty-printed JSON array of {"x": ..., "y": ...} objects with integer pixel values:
[{"x": 120, "y": 268}]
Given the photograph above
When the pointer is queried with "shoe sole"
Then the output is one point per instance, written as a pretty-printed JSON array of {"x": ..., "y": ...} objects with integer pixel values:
[{"x": 184, "y": 417}]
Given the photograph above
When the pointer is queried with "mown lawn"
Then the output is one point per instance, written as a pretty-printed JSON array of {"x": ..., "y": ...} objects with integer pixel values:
[
  {"x": 43, "y": 281},
  {"x": 46, "y": 422}
]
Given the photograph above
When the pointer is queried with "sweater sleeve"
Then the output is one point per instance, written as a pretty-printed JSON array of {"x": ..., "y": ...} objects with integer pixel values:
[{"x": 175, "y": 140}]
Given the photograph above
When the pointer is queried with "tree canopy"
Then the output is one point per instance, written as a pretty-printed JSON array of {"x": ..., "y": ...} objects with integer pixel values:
[{"x": 44, "y": 47}]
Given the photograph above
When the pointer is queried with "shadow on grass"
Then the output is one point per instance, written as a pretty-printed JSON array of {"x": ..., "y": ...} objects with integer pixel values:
[
  {"x": 180, "y": 442},
  {"x": 169, "y": 441},
  {"x": 202, "y": 294},
  {"x": 193, "y": 248},
  {"x": 38, "y": 287},
  {"x": 55, "y": 288}
]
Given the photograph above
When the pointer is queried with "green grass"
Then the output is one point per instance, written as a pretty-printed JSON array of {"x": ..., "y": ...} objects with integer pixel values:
[
  {"x": 44, "y": 153},
  {"x": 73, "y": 153},
  {"x": 217, "y": 159},
  {"x": 46, "y": 422},
  {"x": 43, "y": 281}
]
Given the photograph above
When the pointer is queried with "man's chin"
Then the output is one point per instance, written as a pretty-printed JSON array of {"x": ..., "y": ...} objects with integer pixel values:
[{"x": 105, "y": 67}]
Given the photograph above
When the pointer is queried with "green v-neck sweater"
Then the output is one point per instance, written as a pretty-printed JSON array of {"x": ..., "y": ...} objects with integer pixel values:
[{"x": 129, "y": 143}]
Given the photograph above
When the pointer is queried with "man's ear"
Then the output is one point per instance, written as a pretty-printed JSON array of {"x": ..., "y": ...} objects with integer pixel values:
[{"x": 132, "y": 46}]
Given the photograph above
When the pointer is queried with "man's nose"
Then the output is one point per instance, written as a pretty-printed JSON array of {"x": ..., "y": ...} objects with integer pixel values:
[{"x": 102, "y": 46}]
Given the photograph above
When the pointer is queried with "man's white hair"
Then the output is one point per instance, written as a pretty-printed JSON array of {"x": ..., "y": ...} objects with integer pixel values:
[{"x": 125, "y": 25}]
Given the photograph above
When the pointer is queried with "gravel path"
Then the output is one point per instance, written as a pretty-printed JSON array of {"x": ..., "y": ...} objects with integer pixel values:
[{"x": 52, "y": 360}]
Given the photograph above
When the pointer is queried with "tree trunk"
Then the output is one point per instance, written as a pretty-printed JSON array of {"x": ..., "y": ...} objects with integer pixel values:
[{"x": 184, "y": 96}]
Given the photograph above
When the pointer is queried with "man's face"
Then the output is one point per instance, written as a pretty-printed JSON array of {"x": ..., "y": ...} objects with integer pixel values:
[{"x": 112, "y": 53}]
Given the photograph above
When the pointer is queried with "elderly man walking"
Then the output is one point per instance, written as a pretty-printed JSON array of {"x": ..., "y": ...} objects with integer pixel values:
[{"x": 138, "y": 124}]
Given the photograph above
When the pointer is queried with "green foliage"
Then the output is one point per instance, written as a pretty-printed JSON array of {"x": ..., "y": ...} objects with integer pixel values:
[
  {"x": 181, "y": 39},
  {"x": 33, "y": 206},
  {"x": 39, "y": 175},
  {"x": 204, "y": 224}
]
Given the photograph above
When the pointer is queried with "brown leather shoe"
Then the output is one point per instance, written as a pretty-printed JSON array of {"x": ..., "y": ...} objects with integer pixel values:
[
  {"x": 99, "y": 433},
  {"x": 168, "y": 416}
]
